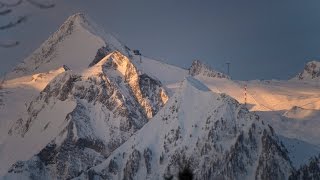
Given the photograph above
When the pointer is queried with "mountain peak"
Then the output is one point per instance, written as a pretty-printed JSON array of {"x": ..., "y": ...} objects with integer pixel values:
[
  {"x": 81, "y": 20},
  {"x": 75, "y": 44},
  {"x": 77, "y": 16},
  {"x": 199, "y": 68},
  {"x": 71, "y": 23},
  {"x": 311, "y": 71}
]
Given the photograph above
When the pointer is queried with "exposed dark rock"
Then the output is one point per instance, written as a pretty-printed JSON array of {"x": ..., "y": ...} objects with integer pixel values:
[
  {"x": 132, "y": 165},
  {"x": 198, "y": 68},
  {"x": 186, "y": 174},
  {"x": 101, "y": 53},
  {"x": 147, "y": 154},
  {"x": 311, "y": 69},
  {"x": 113, "y": 167},
  {"x": 268, "y": 166}
]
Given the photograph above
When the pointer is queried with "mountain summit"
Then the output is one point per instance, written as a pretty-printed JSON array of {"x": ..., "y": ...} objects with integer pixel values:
[
  {"x": 311, "y": 72},
  {"x": 75, "y": 44}
]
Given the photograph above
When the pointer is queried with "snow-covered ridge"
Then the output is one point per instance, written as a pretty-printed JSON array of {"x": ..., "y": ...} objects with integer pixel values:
[
  {"x": 37, "y": 81},
  {"x": 311, "y": 72},
  {"x": 74, "y": 44},
  {"x": 199, "y": 68}
]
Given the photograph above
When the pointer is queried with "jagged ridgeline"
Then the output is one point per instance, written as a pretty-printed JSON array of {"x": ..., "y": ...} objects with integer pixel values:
[
  {"x": 311, "y": 72},
  {"x": 98, "y": 111}
]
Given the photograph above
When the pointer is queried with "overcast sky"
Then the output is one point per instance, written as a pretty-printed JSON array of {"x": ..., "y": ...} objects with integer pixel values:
[{"x": 262, "y": 40}]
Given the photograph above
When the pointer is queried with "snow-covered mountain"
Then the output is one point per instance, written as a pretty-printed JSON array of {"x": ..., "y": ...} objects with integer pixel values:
[
  {"x": 84, "y": 106},
  {"x": 311, "y": 72},
  {"x": 98, "y": 111},
  {"x": 210, "y": 134},
  {"x": 100, "y": 96}
]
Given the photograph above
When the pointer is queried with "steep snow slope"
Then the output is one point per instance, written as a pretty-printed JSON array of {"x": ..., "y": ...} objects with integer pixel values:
[
  {"x": 211, "y": 134},
  {"x": 75, "y": 45},
  {"x": 17, "y": 93},
  {"x": 308, "y": 171},
  {"x": 300, "y": 152},
  {"x": 169, "y": 75}
]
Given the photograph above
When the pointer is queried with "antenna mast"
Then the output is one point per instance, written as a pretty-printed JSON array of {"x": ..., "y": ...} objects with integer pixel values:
[{"x": 245, "y": 95}]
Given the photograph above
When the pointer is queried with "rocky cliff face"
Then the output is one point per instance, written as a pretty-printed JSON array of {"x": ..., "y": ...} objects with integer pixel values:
[
  {"x": 311, "y": 71},
  {"x": 198, "y": 68},
  {"x": 210, "y": 135},
  {"x": 112, "y": 101},
  {"x": 142, "y": 86}
]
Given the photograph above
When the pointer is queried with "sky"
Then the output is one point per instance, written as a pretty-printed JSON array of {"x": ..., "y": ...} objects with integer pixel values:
[{"x": 261, "y": 39}]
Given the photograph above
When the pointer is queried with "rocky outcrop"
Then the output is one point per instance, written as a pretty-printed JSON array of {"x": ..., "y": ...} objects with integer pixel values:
[
  {"x": 101, "y": 53},
  {"x": 311, "y": 71},
  {"x": 147, "y": 91},
  {"x": 198, "y": 68}
]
